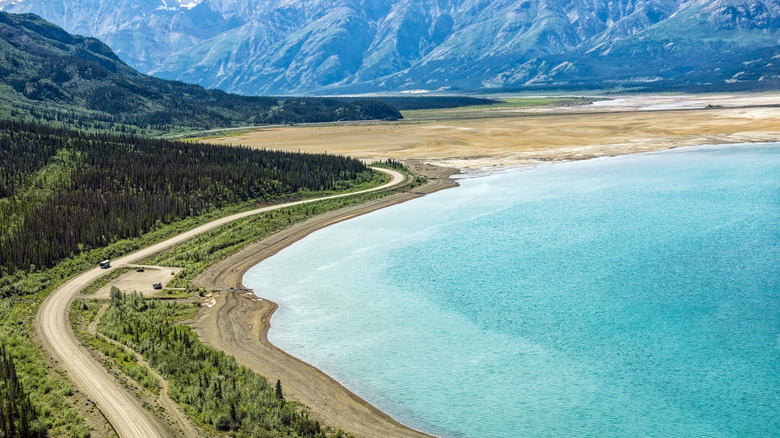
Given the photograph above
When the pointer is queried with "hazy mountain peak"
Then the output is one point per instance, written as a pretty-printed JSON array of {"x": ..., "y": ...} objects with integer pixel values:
[
  {"x": 297, "y": 46},
  {"x": 175, "y": 5}
]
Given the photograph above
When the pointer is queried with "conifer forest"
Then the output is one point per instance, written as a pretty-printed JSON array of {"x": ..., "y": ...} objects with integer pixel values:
[{"x": 65, "y": 191}]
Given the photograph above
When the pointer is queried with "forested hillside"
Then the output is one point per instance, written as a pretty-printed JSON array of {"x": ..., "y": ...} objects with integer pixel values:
[
  {"x": 404, "y": 103},
  {"x": 50, "y": 75},
  {"x": 64, "y": 191}
]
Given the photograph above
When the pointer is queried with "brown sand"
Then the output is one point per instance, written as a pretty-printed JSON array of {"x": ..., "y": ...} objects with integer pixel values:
[
  {"x": 551, "y": 133},
  {"x": 237, "y": 322}
]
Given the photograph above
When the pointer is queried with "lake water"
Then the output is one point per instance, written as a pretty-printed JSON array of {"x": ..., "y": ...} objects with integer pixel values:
[{"x": 628, "y": 296}]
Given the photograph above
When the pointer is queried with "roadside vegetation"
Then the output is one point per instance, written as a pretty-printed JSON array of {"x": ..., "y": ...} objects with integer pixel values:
[
  {"x": 196, "y": 373},
  {"x": 200, "y": 252},
  {"x": 53, "y": 397},
  {"x": 42, "y": 166},
  {"x": 18, "y": 417},
  {"x": 212, "y": 388},
  {"x": 51, "y": 393},
  {"x": 85, "y": 312},
  {"x": 63, "y": 192},
  {"x": 416, "y": 180}
]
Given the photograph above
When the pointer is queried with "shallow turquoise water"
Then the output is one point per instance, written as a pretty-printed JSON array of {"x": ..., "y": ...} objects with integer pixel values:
[{"x": 627, "y": 296}]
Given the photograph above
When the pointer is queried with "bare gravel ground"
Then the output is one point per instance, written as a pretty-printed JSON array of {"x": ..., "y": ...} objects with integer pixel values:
[{"x": 139, "y": 281}]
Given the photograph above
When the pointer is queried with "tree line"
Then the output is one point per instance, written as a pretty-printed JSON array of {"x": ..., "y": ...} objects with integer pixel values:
[
  {"x": 405, "y": 103},
  {"x": 64, "y": 191}
]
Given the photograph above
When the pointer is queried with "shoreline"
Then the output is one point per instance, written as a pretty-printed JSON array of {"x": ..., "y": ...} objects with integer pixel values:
[
  {"x": 237, "y": 322},
  {"x": 457, "y": 406},
  {"x": 476, "y": 139}
]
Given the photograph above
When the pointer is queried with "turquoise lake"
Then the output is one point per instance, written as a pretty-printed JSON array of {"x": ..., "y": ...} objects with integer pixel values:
[{"x": 626, "y": 296}]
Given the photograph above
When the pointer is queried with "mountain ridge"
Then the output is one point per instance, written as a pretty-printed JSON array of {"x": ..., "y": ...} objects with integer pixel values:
[
  {"x": 51, "y": 75},
  {"x": 353, "y": 46}
]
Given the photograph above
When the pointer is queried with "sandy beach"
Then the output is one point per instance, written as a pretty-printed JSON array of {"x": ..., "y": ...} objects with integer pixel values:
[{"x": 237, "y": 322}]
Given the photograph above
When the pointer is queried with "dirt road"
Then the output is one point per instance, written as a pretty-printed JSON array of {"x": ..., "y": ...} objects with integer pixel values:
[{"x": 121, "y": 408}]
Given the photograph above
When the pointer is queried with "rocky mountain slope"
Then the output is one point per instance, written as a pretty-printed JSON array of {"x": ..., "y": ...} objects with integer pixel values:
[{"x": 321, "y": 46}]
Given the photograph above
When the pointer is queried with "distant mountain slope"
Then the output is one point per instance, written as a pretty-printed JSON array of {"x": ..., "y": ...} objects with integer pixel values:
[
  {"x": 47, "y": 73},
  {"x": 318, "y": 46}
]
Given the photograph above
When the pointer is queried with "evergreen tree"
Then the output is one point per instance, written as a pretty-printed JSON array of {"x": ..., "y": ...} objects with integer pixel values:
[
  {"x": 209, "y": 384},
  {"x": 16, "y": 411},
  {"x": 65, "y": 191}
]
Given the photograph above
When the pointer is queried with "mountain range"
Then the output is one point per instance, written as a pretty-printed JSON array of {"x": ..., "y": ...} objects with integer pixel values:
[
  {"x": 274, "y": 47},
  {"x": 50, "y": 75}
]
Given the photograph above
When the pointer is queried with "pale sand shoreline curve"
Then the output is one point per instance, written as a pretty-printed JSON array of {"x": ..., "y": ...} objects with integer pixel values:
[{"x": 237, "y": 322}]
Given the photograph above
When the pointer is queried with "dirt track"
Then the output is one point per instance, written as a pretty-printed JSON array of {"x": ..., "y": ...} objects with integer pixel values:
[
  {"x": 125, "y": 413},
  {"x": 238, "y": 324}
]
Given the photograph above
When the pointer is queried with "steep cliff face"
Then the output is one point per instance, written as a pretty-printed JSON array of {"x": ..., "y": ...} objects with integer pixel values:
[{"x": 315, "y": 46}]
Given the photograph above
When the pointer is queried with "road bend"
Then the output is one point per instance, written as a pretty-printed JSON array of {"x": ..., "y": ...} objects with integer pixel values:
[{"x": 122, "y": 409}]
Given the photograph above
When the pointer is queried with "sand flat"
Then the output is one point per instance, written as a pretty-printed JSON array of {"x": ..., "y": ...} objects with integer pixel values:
[{"x": 483, "y": 139}]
